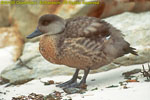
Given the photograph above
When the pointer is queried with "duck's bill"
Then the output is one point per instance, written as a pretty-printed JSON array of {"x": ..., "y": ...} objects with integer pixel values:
[{"x": 36, "y": 33}]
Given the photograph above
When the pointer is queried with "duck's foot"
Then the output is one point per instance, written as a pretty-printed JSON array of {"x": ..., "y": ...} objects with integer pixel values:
[
  {"x": 67, "y": 84},
  {"x": 76, "y": 85},
  {"x": 82, "y": 83},
  {"x": 72, "y": 81}
]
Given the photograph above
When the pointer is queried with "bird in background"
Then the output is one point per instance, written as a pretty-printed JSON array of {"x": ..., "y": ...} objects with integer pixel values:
[{"x": 84, "y": 43}]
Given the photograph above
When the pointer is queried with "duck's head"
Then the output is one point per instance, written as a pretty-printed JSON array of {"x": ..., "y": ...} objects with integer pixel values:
[{"x": 48, "y": 24}]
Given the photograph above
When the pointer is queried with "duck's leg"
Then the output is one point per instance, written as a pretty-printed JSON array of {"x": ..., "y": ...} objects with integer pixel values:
[
  {"x": 72, "y": 81},
  {"x": 86, "y": 72},
  {"x": 82, "y": 82}
]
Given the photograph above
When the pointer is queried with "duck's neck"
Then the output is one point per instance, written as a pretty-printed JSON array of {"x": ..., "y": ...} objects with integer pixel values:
[{"x": 54, "y": 39}]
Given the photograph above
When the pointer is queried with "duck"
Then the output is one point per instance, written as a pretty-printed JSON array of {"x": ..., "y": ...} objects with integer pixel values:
[{"x": 84, "y": 43}]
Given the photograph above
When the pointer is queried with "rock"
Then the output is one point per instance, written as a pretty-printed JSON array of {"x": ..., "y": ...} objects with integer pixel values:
[
  {"x": 25, "y": 17},
  {"x": 141, "y": 6},
  {"x": 33, "y": 65},
  {"x": 10, "y": 36},
  {"x": 4, "y": 16},
  {"x": 11, "y": 45},
  {"x": 114, "y": 7},
  {"x": 104, "y": 8},
  {"x": 6, "y": 57}
]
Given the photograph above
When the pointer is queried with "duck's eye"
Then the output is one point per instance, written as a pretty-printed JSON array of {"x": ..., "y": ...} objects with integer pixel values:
[{"x": 45, "y": 23}]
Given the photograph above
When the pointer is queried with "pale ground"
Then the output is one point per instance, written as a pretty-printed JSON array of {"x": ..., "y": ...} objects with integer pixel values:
[{"x": 135, "y": 91}]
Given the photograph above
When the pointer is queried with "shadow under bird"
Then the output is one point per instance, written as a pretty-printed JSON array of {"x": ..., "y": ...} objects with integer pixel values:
[{"x": 84, "y": 43}]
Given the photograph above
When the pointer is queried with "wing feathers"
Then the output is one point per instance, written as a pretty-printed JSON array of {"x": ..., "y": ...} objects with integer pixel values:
[{"x": 86, "y": 27}]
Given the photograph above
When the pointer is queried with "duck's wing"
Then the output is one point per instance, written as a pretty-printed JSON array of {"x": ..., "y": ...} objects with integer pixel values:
[
  {"x": 87, "y": 34},
  {"x": 87, "y": 27}
]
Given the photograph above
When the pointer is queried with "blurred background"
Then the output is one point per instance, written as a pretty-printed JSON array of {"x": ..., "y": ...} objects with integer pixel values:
[{"x": 20, "y": 59}]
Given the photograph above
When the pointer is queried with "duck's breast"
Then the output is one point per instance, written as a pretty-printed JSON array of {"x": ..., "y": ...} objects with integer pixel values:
[{"x": 48, "y": 49}]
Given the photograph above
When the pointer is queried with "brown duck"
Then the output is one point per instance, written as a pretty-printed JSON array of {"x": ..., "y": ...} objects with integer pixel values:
[{"x": 85, "y": 43}]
